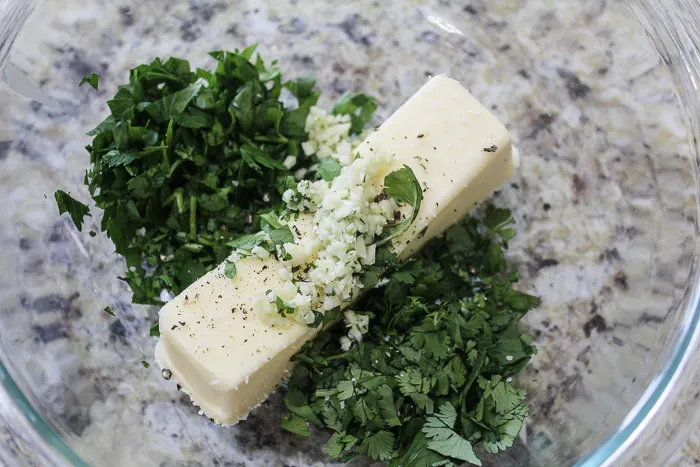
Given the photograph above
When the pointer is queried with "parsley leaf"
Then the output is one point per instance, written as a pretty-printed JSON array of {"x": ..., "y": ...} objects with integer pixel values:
[
  {"x": 360, "y": 108},
  {"x": 329, "y": 168},
  {"x": 230, "y": 269},
  {"x": 93, "y": 80},
  {"x": 76, "y": 209},
  {"x": 189, "y": 158},
  {"x": 404, "y": 187}
]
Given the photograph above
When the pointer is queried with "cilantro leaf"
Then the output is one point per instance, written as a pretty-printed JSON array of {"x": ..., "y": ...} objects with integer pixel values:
[
  {"x": 403, "y": 186},
  {"x": 93, "y": 80},
  {"x": 338, "y": 443},
  {"x": 76, "y": 209},
  {"x": 145, "y": 364},
  {"x": 296, "y": 402},
  {"x": 387, "y": 405},
  {"x": 295, "y": 424},
  {"x": 380, "y": 446},
  {"x": 443, "y": 439},
  {"x": 109, "y": 311}
]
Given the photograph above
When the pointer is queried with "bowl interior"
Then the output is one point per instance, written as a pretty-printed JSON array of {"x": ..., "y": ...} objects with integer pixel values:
[{"x": 604, "y": 203}]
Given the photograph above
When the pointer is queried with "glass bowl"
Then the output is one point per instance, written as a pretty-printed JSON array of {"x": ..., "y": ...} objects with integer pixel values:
[{"x": 601, "y": 100}]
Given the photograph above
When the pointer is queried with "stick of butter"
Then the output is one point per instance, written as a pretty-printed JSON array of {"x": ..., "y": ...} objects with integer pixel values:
[{"x": 223, "y": 354}]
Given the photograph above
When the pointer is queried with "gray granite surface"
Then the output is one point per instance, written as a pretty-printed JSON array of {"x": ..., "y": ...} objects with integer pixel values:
[{"x": 603, "y": 200}]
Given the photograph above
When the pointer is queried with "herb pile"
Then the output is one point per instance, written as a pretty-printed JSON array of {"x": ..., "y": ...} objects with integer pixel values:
[
  {"x": 192, "y": 164},
  {"x": 432, "y": 378},
  {"x": 189, "y": 159}
]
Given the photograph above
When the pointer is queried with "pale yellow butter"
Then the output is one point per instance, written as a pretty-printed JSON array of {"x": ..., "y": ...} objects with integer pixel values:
[{"x": 222, "y": 353}]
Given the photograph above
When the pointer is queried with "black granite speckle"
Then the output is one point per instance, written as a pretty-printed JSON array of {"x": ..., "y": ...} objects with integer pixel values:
[
  {"x": 429, "y": 37},
  {"x": 596, "y": 323},
  {"x": 25, "y": 244},
  {"x": 576, "y": 88},
  {"x": 4, "y": 149},
  {"x": 118, "y": 332},
  {"x": 295, "y": 26},
  {"x": 358, "y": 29},
  {"x": 50, "y": 332},
  {"x": 57, "y": 234},
  {"x": 189, "y": 32},
  {"x": 79, "y": 64},
  {"x": 611, "y": 255},
  {"x": 127, "y": 16},
  {"x": 53, "y": 303},
  {"x": 540, "y": 123},
  {"x": 646, "y": 318},
  {"x": 621, "y": 282},
  {"x": 76, "y": 413},
  {"x": 207, "y": 11}
]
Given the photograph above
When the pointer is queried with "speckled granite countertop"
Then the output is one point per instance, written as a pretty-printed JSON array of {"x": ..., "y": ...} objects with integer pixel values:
[{"x": 604, "y": 203}]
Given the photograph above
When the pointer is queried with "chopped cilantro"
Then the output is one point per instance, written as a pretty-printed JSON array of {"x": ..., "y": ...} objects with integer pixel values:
[
  {"x": 109, "y": 311},
  {"x": 145, "y": 364},
  {"x": 431, "y": 380}
]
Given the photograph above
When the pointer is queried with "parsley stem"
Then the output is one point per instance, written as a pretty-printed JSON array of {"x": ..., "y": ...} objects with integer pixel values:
[
  {"x": 193, "y": 217},
  {"x": 179, "y": 201},
  {"x": 204, "y": 241}
]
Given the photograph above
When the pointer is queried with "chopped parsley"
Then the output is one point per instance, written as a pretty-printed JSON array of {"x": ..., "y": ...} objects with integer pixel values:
[
  {"x": 189, "y": 158},
  {"x": 76, "y": 209},
  {"x": 431, "y": 379},
  {"x": 230, "y": 269},
  {"x": 93, "y": 80}
]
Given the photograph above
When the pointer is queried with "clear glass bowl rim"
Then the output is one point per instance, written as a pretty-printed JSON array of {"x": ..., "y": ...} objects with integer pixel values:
[{"x": 673, "y": 28}]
